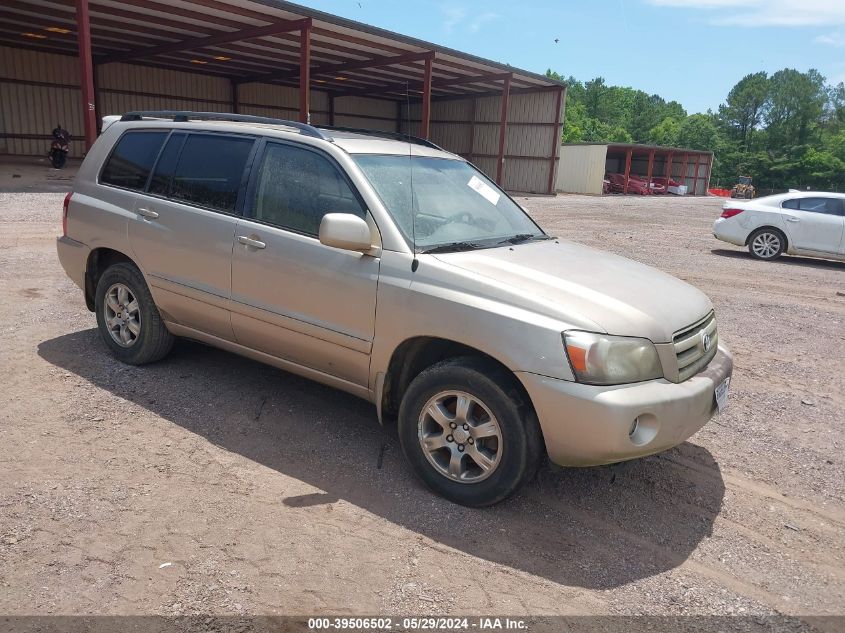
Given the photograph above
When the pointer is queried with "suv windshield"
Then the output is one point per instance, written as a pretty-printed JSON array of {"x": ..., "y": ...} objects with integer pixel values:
[{"x": 451, "y": 206}]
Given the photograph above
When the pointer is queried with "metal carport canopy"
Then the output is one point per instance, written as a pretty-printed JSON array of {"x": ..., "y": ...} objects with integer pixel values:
[{"x": 267, "y": 41}]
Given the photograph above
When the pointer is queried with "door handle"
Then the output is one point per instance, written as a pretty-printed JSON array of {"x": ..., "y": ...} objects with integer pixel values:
[
  {"x": 248, "y": 241},
  {"x": 792, "y": 220},
  {"x": 147, "y": 213}
]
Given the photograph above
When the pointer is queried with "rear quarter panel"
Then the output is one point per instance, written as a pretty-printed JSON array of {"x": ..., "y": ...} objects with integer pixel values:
[
  {"x": 98, "y": 215},
  {"x": 759, "y": 215}
]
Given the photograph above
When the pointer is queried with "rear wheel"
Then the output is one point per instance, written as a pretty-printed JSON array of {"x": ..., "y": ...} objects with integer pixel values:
[
  {"x": 766, "y": 243},
  {"x": 467, "y": 433},
  {"x": 127, "y": 317}
]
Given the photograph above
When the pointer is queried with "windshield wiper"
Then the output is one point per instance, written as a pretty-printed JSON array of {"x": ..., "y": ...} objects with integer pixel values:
[
  {"x": 453, "y": 247},
  {"x": 523, "y": 237}
]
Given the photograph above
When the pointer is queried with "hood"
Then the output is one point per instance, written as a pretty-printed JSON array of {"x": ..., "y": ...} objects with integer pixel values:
[{"x": 585, "y": 286}]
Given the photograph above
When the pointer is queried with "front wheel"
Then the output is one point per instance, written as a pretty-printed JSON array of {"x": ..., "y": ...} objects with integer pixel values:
[
  {"x": 127, "y": 317},
  {"x": 467, "y": 432},
  {"x": 766, "y": 244}
]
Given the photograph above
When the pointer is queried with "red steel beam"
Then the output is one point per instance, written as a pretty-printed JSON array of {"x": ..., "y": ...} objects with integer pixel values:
[
  {"x": 629, "y": 154},
  {"x": 212, "y": 40},
  {"x": 695, "y": 177},
  {"x": 474, "y": 79},
  {"x": 425, "y": 118},
  {"x": 305, "y": 73},
  {"x": 334, "y": 69},
  {"x": 650, "y": 169},
  {"x": 503, "y": 128},
  {"x": 436, "y": 83},
  {"x": 555, "y": 141},
  {"x": 472, "y": 129},
  {"x": 86, "y": 73}
]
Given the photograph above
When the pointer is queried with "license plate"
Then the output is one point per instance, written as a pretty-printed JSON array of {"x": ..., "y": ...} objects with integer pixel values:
[{"x": 722, "y": 394}]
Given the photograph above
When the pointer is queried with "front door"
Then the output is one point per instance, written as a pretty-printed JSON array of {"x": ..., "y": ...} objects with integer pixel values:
[
  {"x": 293, "y": 297},
  {"x": 815, "y": 224},
  {"x": 184, "y": 225}
]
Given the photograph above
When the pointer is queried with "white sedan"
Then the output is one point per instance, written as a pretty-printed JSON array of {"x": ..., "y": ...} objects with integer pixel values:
[{"x": 797, "y": 223}]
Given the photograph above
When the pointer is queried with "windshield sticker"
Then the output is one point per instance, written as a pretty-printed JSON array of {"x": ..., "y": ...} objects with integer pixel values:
[{"x": 476, "y": 184}]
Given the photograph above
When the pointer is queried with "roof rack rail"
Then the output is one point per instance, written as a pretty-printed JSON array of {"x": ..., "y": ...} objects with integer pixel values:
[
  {"x": 396, "y": 136},
  {"x": 182, "y": 116}
]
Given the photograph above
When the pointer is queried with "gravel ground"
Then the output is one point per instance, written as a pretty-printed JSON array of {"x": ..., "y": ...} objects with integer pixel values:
[{"x": 210, "y": 484}]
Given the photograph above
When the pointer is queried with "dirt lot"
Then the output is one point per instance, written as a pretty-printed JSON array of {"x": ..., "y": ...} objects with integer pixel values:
[{"x": 212, "y": 484}]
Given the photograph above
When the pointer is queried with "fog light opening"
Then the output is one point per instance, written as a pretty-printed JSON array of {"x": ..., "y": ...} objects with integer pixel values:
[{"x": 643, "y": 429}]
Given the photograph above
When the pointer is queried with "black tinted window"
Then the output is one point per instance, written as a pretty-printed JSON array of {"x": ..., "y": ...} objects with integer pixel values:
[
  {"x": 829, "y": 206},
  {"x": 166, "y": 166},
  {"x": 791, "y": 204},
  {"x": 210, "y": 170},
  {"x": 132, "y": 159},
  {"x": 297, "y": 187}
]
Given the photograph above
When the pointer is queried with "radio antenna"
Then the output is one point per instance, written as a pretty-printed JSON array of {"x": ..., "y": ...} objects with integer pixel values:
[{"x": 415, "y": 262}]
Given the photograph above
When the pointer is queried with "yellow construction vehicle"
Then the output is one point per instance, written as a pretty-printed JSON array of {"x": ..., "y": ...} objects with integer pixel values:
[{"x": 743, "y": 189}]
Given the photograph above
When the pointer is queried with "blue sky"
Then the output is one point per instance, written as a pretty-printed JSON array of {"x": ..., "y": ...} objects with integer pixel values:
[{"x": 692, "y": 51}]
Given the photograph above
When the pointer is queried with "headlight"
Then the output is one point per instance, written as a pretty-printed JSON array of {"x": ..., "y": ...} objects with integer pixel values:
[{"x": 601, "y": 359}]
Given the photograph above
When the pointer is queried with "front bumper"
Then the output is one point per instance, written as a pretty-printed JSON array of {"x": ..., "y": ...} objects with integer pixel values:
[
  {"x": 586, "y": 425},
  {"x": 73, "y": 256}
]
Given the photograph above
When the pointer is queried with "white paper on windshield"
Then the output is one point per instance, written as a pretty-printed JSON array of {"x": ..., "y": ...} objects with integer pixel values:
[{"x": 476, "y": 184}]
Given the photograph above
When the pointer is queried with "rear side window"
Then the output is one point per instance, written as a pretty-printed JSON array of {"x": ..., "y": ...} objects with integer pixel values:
[
  {"x": 209, "y": 171},
  {"x": 297, "y": 187},
  {"x": 828, "y": 206},
  {"x": 166, "y": 166},
  {"x": 791, "y": 204},
  {"x": 132, "y": 159}
]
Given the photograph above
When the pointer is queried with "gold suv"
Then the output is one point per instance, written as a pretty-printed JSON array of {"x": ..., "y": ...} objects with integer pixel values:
[{"x": 385, "y": 266}]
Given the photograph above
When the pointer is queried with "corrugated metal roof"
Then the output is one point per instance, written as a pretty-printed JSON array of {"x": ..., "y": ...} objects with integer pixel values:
[{"x": 240, "y": 40}]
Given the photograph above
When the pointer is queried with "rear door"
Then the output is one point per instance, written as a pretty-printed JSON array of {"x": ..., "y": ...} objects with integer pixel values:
[
  {"x": 184, "y": 225},
  {"x": 293, "y": 297},
  {"x": 815, "y": 224}
]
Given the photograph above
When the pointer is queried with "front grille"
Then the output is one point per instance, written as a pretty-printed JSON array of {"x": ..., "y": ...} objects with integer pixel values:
[{"x": 690, "y": 346}]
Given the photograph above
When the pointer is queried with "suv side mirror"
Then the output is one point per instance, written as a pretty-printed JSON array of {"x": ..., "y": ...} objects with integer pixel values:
[{"x": 346, "y": 231}]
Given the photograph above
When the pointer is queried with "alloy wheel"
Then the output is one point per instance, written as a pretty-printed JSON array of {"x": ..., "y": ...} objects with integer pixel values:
[
  {"x": 122, "y": 315},
  {"x": 766, "y": 245},
  {"x": 460, "y": 437}
]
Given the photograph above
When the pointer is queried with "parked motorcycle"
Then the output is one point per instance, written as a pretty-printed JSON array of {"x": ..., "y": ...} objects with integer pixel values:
[{"x": 60, "y": 147}]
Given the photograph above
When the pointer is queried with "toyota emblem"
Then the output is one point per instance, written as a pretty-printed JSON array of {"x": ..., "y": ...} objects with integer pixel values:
[{"x": 705, "y": 341}]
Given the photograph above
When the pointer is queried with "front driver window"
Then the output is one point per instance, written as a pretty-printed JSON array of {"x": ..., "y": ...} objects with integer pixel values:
[{"x": 297, "y": 187}]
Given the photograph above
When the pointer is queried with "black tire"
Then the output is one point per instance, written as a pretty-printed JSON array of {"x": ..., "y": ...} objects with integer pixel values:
[
  {"x": 154, "y": 341},
  {"x": 766, "y": 235},
  {"x": 521, "y": 440}
]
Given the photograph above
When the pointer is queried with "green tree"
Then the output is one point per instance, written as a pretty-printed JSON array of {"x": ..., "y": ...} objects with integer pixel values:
[
  {"x": 796, "y": 104},
  {"x": 595, "y": 93},
  {"x": 786, "y": 130},
  {"x": 698, "y": 131},
  {"x": 745, "y": 106},
  {"x": 647, "y": 112},
  {"x": 665, "y": 133}
]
